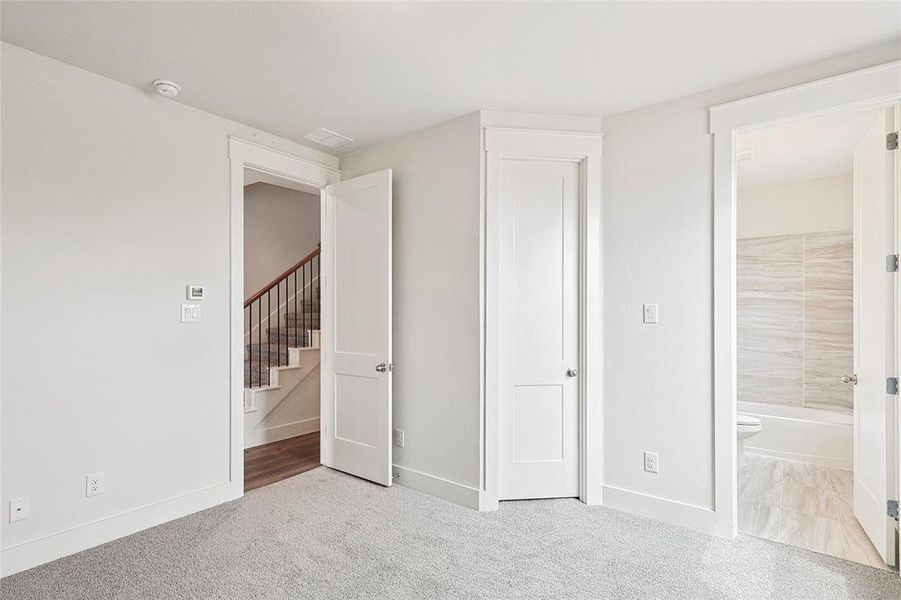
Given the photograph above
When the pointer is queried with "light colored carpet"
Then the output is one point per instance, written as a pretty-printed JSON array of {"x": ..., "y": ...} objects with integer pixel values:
[{"x": 327, "y": 535}]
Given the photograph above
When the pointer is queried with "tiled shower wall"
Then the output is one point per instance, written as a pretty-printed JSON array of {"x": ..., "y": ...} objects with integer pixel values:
[{"x": 795, "y": 320}]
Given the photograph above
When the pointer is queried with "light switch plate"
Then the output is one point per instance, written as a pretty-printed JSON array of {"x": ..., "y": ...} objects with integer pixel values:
[
  {"x": 649, "y": 313},
  {"x": 190, "y": 313}
]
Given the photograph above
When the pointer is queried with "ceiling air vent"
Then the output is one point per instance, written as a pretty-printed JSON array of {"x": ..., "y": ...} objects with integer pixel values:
[{"x": 327, "y": 137}]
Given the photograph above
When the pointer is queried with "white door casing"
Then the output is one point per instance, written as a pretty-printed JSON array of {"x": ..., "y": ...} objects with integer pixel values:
[
  {"x": 539, "y": 240},
  {"x": 356, "y": 326},
  {"x": 874, "y": 418}
]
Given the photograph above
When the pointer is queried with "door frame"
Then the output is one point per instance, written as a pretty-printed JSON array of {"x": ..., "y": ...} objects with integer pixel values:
[
  {"x": 584, "y": 148},
  {"x": 306, "y": 172},
  {"x": 867, "y": 88}
]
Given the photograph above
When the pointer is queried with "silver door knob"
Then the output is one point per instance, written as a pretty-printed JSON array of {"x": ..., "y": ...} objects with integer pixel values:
[
  {"x": 849, "y": 379},
  {"x": 571, "y": 372},
  {"x": 381, "y": 367}
]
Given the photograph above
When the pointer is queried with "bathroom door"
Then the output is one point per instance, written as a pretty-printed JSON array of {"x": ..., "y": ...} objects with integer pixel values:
[{"x": 875, "y": 421}]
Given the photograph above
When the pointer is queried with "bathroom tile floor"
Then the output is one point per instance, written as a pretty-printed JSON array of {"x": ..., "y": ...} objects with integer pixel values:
[{"x": 802, "y": 505}]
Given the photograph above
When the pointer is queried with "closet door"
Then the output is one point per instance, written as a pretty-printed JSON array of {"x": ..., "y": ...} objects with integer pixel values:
[{"x": 537, "y": 184}]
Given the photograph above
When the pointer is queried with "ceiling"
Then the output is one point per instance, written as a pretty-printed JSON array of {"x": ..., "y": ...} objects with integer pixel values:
[
  {"x": 802, "y": 150},
  {"x": 373, "y": 71}
]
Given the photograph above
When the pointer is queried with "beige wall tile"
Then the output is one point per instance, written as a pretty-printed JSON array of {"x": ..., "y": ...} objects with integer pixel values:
[
  {"x": 787, "y": 391},
  {"x": 830, "y": 245},
  {"x": 823, "y": 388},
  {"x": 787, "y": 337},
  {"x": 834, "y": 305},
  {"x": 794, "y": 320},
  {"x": 829, "y": 397},
  {"x": 828, "y": 274},
  {"x": 774, "y": 276},
  {"x": 769, "y": 307},
  {"x": 770, "y": 363},
  {"x": 827, "y": 335},
  {"x": 770, "y": 263}
]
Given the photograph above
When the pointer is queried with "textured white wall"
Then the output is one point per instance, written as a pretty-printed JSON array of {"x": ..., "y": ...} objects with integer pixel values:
[
  {"x": 658, "y": 240},
  {"x": 436, "y": 294},
  {"x": 120, "y": 198},
  {"x": 281, "y": 226},
  {"x": 811, "y": 206}
]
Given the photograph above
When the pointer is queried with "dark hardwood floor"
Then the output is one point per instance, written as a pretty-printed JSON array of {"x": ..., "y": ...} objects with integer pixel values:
[{"x": 279, "y": 460}]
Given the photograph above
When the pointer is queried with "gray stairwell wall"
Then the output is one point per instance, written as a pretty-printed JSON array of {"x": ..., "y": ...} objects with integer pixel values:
[{"x": 281, "y": 226}]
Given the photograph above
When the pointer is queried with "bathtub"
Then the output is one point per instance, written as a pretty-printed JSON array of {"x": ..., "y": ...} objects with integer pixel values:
[{"x": 802, "y": 434}]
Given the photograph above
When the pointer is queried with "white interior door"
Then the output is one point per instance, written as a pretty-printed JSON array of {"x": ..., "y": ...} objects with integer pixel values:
[
  {"x": 356, "y": 327},
  {"x": 874, "y": 418},
  {"x": 538, "y": 293}
]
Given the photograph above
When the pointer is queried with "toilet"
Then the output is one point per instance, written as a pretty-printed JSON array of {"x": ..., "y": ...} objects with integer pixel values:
[{"x": 747, "y": 426}]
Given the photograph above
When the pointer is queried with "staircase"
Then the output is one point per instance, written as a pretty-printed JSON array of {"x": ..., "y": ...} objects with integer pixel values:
[{"x": 282, "y": 316}]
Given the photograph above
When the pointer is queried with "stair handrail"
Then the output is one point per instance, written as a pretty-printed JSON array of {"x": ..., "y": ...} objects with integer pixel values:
[{"x": 281, "y": 277}]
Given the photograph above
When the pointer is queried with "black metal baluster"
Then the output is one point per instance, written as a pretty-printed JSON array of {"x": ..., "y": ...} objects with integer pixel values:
[
  {"x": 248, "y": 310},
  {"x": 304, "y": 305},
  {"x": 295, "y": 309},
  {"x": 278, "y": 307},
  {"x": 259, "y": 341},
  {"x": 319, "y": 293}
]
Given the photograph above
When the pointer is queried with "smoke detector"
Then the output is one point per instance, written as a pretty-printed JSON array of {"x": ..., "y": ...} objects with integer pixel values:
[
  {"x": 166, "y": 88},
  {"x": 327, "y": 137}
]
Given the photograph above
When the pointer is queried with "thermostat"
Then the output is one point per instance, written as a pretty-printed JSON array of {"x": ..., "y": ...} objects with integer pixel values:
[{"x": 195, "y": 292}]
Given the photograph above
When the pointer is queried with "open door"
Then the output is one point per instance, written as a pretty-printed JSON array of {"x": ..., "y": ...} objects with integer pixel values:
[
  {"x": 356, "y": 327},
  {"x": 875, "y": 421}
]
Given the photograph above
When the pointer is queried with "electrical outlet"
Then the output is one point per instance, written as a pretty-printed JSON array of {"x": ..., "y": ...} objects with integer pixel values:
[
  {"x": 399, "y": 438},
  {"x": 649, "y": 313},
  {"x": 94, "y": 484},
  {"x": 651, "y": 462},
  {"x": 19, "y": 508}
]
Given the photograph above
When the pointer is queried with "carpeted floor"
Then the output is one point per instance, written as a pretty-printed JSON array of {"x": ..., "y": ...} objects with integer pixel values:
[{"x": 327, "y": 535}]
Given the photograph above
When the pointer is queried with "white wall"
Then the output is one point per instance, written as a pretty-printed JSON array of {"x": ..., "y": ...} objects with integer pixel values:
[
  {"x": 658, "y": 247},
  {"x": 810, "y": 206},
  {"x": 281, "y": 226},
  {"x": 120, "y": 198},
  {"x": 436, "y": 297}
]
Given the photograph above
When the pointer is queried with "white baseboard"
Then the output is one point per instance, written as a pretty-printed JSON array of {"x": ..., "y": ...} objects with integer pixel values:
[
  {"x": 671, "y": 511},
  {"x": 281, "y": 432},
  {"x": 437, "y": 486},
  {"x": 33, "y": 553}
]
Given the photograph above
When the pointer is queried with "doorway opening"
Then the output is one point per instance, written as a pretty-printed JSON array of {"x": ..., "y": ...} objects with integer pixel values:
[
  {"x": 814, "y": 223},
  {"x": 337, "y": 297},
  {"x": 282, "y": 235}
]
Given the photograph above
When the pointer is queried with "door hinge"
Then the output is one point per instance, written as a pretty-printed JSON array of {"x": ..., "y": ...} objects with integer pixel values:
[
  {"x": 891, "y": 263},
  {"x": 891, "y": 386},
  {"x": 892, "y": 509},
  {"x": 891, "y": 141}
]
